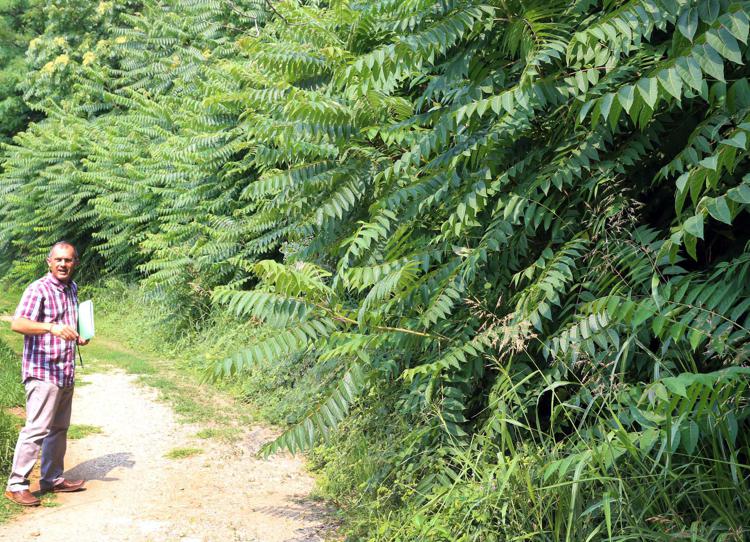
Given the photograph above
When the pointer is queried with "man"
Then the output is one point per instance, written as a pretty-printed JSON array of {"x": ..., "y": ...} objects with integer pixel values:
[{"x": 47, "y": 316}]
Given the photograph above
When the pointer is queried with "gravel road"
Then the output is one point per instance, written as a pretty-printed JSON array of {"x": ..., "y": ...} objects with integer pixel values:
[{"x": 135, "y": 493}]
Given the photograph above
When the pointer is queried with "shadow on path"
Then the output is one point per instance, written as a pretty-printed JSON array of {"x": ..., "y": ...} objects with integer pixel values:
[{"x": 99, "y": 467}]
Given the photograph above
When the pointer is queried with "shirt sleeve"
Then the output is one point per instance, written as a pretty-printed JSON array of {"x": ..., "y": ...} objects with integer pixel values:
[{"x": 30, "y": 306}]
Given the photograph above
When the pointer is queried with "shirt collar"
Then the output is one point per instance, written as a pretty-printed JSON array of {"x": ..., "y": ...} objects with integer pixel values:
[{"x": 57, "y": 283}]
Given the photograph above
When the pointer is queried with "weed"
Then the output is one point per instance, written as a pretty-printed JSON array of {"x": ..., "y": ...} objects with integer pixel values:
[
  {"x": 49, "y": 500},
  {"x": 76, "y": 431},
  {"x": 182, "y": 453},
  {"x": 226, "y": 434}
]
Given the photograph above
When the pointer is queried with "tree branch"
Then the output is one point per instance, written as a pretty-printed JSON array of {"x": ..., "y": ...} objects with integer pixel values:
[{"x": 270, "y": 5}]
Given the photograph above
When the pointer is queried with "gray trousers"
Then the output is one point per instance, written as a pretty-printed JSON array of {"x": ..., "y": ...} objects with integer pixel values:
[{"x": 47, "y": 420}]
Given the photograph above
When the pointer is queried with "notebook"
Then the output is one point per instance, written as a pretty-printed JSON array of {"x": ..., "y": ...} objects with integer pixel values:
[{"x": 86, "y": 320}]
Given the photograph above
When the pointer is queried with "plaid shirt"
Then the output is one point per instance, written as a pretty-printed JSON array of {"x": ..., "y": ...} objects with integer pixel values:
[{"x": 46, "y": 357}]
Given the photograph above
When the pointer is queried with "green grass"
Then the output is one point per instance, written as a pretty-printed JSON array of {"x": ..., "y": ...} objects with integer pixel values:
[
  {"x": 11, "y": 395},
  {"x": 225, "y": 434},
  {"x": 101, "y": 355},
  {"x": 76, "y": 431},
  {"x": 9, "y": 509},
  {"x": 185, "y": 398},
  {"x": 9, "y": 298},
  {"x": 49, "y": 500},
  {"x": 182, "y": 453},
  {"x": 11, "y": 339}
]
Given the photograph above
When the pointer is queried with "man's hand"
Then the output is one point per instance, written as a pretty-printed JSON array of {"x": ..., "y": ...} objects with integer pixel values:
[
  {"x": 64, "y": 332},
  {"x": 82, "y": 341},
  {"x": 31, "y": 327}
]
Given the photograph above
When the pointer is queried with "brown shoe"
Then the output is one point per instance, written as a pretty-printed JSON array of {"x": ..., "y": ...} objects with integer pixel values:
[
  {"x": 23, "y": 497},
  {"x": 66, "y": 486}
]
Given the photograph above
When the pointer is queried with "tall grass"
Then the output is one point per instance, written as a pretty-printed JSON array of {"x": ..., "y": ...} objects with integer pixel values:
[
  {"x": 11, "y": 395},
  {"x": 683, "y": 475},
  {"x": 657, "y": 462}
]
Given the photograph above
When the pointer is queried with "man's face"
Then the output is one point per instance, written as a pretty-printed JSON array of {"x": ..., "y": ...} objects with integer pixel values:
[{"x": 62, "y": 262}]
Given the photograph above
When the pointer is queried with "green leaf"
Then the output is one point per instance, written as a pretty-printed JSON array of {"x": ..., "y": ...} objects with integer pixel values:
[
  {"x": 710, "y": 162},
  {"x": 682, "y": 181},
  {"x": 687, "y": 23},
  {"x": 648, "y": 90},
  {"x": 690, "y": 433},
  {"x": 676, "y": 385},
  {"x": 607, "y": 504},
  {"x": 626, "y": 97},
  {"x": 708, "y": 10},
  {"x": 496, "y": 103},
  {"x": 740, "y": 194},
  {"x": 738, "y": 96},
  {"x": 719, "y": 209},
  {"x": 689, "y": 70},
  {"x": 695, "y": 337},
  {"x": 710, "y": 61},
  {"x": 671, "y": 82},
  {"x": 691, "y": 246},
  {"x": 725, "y": 44},
  {"x": 738, "y": 140},
  {"x": 732, "y": 427},
  {"x": 585, "y": 110},
  {"x": 605, "y": 104},
  {"x": 737, "y": 24},
  {"x": 694, "y": 226},
  {"x": 643, "y": 313}
]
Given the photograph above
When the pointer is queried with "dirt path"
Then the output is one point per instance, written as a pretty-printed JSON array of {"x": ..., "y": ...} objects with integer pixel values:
[{"x": 134, "y": 493}]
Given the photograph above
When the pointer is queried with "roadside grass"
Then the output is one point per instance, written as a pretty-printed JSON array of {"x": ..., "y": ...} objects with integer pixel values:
[
  {"x": 102, "y": 355},
  {"x": 13, "y": 340},
  {"x": 49, "y": 500},
  {"x": 11, "y": 396},
  {"x": 76, "y": 431},
  {"x": 226, "y": 434},
  {"x": 182, "y": 453}
]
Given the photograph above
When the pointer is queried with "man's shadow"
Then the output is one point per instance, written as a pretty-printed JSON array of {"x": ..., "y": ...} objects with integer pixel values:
[{"x": 99, "y": 467}]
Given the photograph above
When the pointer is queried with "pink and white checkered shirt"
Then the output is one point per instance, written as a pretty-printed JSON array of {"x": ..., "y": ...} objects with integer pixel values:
[{"x": 46, "y": 357}]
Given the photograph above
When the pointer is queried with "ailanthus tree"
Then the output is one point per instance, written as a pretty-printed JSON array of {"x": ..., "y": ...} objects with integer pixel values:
[
  {"x": 521, "y": 225},
  {"x": 20, "y": 22}
]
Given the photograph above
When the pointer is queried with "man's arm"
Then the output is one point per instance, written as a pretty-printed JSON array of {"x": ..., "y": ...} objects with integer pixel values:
[{"x": 31, "y": 327}]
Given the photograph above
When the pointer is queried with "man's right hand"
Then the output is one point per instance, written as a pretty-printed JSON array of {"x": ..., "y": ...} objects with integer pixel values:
[
  {"x": 64, "y": 332},
  {"x": 32, "y": 327}
]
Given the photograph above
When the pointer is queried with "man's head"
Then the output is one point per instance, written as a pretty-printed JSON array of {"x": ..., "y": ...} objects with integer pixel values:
[{"x": 62, "y": 260}]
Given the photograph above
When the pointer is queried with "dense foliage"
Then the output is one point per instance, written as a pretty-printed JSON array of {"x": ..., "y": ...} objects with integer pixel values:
[
  {"x": 514, "y": 232},
  {"x": 20, "y": 22}
]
